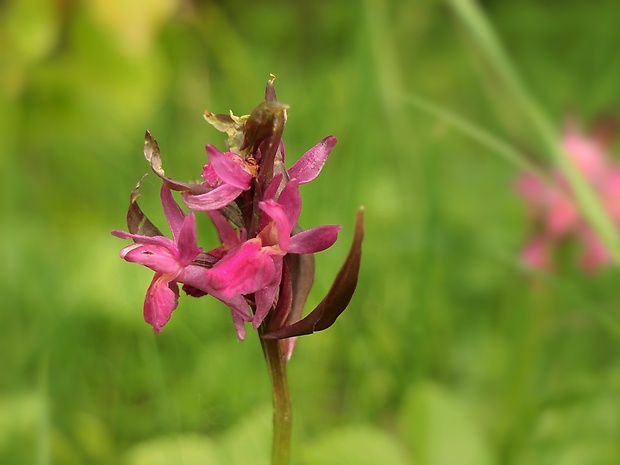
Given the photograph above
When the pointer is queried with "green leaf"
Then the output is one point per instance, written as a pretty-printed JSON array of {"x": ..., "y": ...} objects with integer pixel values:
[
  {"x": 359, "y": 445},
  {"x": 440, "y": 430},
  {"x": 19, "y": 413},
  {"x": 187, "y": 449},
  {"x": 248, "y": 442}
]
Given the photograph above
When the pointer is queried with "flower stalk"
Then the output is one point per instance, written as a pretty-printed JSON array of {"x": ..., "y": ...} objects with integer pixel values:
[{"x": 275, "y": 358}]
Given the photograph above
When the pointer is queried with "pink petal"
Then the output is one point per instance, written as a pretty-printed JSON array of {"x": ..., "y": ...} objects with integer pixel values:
[
  {"x": 532, "y": 188},
  {"x": 273, "y": 187},
  {"x": 243, "y": 270},
  {"x": 196, "y": 277},
  {"x": 174, "y": 214},
  {"x": 239, "y": 325},
  {"x": 160, "y": 241},
  {"x": 230, "y": 170},
  {"x": 314, "y": 240},
  {"x": 562, "y": 215},
  {"x": 535, "y": 253},
  {"x": 210, "y": 176},
  {"x": 283, "y": 227},
  {"x": 237, "y": 305},
  {"x": 595, "y": 254},
  {"x": 158, "y": 259},
  {"x": 187, "y": 245},
  {"x": 586, "y": 152},
  {"x": 212, "y": 200},
  {"x": 290, "y": 199},
  {"x": 229, "y": 237},
  {"x": 266, "y": 296},
  {"x": 161, "y": 299},
  {"x": 310, "y": 164}
]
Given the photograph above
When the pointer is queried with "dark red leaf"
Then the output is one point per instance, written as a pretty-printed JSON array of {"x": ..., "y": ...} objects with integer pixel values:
[{"x": 338, "y": 297}]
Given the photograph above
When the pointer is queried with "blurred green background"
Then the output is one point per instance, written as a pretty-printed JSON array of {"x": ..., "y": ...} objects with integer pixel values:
[{"x": 450, "y": 353}]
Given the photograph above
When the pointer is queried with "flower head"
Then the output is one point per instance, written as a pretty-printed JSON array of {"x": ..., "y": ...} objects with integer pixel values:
[{"x": 263, "y": 267}]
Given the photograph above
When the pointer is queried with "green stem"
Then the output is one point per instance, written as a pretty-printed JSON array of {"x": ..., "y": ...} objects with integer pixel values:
[{"x": 282, "y": 409}]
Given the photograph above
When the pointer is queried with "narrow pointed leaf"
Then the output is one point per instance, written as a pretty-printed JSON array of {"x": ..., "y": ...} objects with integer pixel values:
[
  {"x": 302, "y": 270},
  {"x": 153, "y": 156},
  {"x": 137, "y": 221},
  {"x": 338, "y": 297},
  {"x": 285, "y": 299},
  {"x": 270, "y": 90},
  {"x": 302, "y": 276}
]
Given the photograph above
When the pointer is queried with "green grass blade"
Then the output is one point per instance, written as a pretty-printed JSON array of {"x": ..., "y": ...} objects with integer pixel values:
[
  {"x": 486, "y": 39},
  {"x": 485, "y": 138}
]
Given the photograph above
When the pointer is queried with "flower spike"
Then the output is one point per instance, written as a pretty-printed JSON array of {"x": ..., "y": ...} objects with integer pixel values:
[{"x": 263, "y": 266}]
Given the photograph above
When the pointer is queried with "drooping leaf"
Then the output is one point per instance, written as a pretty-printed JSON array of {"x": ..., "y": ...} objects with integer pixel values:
[
  {"x": 137, "y": 221},
  {"x": 153, "y": 156},
  {"x": 338, "y": 297}
]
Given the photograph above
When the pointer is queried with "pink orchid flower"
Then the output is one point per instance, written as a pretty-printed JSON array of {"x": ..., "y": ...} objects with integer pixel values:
[
  {"x": 170, "y": 259},
  {"x": 263, "y": 267},
  {"x": 553, "y": 208}
]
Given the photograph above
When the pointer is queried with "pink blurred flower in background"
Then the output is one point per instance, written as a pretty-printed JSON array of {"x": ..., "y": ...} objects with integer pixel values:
[{"x": 554, "y": 211}]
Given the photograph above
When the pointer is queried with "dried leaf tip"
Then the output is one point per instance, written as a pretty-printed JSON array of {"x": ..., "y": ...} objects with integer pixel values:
[{"x": 270, "y": 90}]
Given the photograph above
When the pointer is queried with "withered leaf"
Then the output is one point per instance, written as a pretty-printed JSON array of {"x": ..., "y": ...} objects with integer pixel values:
[{"x": 137, "y": 221}]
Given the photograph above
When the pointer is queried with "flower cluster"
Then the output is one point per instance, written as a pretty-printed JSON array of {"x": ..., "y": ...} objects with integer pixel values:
[
  {"x": 554, "y": 209},
  {"x": 263, "y": 268}
]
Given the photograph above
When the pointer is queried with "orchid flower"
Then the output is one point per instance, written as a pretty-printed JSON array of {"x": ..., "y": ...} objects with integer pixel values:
[
  {"x": 169, "y": 258},
  {"x": 554, "y": 210},
  {"x": 263, "y": 267}
]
